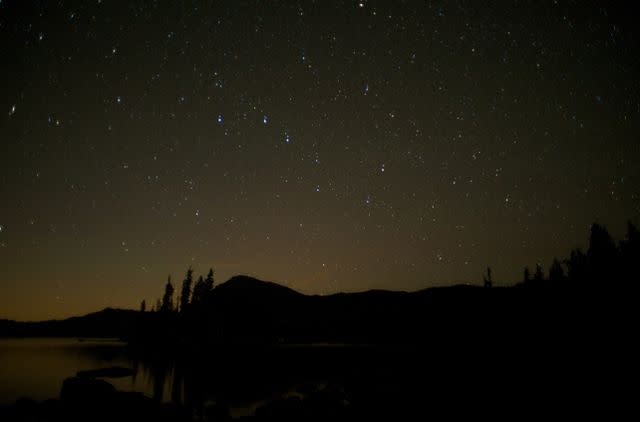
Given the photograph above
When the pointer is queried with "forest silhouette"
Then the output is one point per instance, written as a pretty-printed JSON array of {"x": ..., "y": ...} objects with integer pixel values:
[
  {"x": 246, "y": 310},
  {"x": 553, "y": 340}
]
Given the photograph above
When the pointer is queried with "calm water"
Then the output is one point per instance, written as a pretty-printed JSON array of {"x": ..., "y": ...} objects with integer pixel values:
[
  {"x": 36, "y": 367},
  {"x": 242, "y": 380}
]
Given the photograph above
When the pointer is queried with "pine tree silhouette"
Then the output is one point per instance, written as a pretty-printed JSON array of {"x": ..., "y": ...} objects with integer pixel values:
[
  {"x": 630, "y": 255},
  {"x": 556, "y": 272},
  {"x": 538, "y": 276},
  {"x": 602, "y": 256},
  {"x": 577, "y": 266},
  {"x": 167, "y": 299},
  {"x": 207, "y": 285},
  {"x": 488, "y": 282},
  {"x": 185, "y": 295},
  {"x": 208, "y": 282},
  {"x": 198, "y": 291}
]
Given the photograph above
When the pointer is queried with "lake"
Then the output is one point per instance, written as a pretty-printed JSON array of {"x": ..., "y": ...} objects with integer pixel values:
[
  {"x": 238, "y": 379},
  {"x": 36, "y": 367}
]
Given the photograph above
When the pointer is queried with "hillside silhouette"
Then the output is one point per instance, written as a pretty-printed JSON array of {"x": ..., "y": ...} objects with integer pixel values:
[
  {"x": 596, "y": 284},
  {"x": 553, "y": 340},
  {"x": 106, "y": 323},
  {"x": 245, "y": 286}
]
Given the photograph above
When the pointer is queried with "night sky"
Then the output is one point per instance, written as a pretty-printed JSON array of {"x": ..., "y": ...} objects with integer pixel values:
[{"x": 328, "y": 146}]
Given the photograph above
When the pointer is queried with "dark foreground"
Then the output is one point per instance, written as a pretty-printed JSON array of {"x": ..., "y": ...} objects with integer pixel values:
[
  {"x": 259, "y": 352},
  {"x": 497, "y": 373},
  {"x": 561, "y": 347}
]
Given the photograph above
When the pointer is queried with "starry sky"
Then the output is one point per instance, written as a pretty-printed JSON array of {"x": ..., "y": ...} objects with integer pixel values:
[{"x": 326, "y": 145}]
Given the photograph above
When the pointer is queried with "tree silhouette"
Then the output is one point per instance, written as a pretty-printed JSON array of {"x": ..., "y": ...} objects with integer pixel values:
[
  {"x": 630, "y": 253},
  {"x": 527, "y": 275},
  {"x": 577, "y": 266},
  {"x": 198, "y": 291},
  {"x": 556, "y": 272},
  {"x": 602, "y": 255},
  {"x": 202, "y": 288},
  {"x": 633, "y": 235},
  {"x": 601, "y": 243},
  {"x": 539, "y": 274},
  {"x": 208, "y": 283},
  {"x": 143, "y": 306},
  {"x": 488, "y": 282},
  {"x": 185, "y": 295},
  {"x": 167, "y": 299}
]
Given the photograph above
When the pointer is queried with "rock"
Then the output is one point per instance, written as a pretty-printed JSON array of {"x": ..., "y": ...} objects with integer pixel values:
[
  {"x": 112, "y": 372},
  {"x": 86, "y": 390},
  {"x": 289, "y": 409}
]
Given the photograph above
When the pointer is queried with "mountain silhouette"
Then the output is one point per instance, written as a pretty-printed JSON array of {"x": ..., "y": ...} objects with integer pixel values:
[
  {"x": 242, "y": 286},
  {"x": 386, "y": 350},
  {"x": 248, "y": 310},
  {"x": 461, "y": 346},
  {"x": 108, "y": 322}
]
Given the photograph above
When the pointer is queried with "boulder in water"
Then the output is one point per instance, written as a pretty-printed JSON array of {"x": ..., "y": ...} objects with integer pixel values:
[
  {"x": 86, "y": 390},
  {"x": 112, "y": 372}
]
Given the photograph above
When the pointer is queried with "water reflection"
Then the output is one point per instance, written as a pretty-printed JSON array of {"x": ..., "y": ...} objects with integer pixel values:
[
  {"x": 233, "y": 382},
  {"x": 36, "y": 367}
]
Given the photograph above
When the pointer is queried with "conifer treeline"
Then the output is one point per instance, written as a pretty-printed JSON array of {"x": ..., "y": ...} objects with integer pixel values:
[
  {"x": 604, "y": 261},
  {"x": 187, "y": 297}
]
